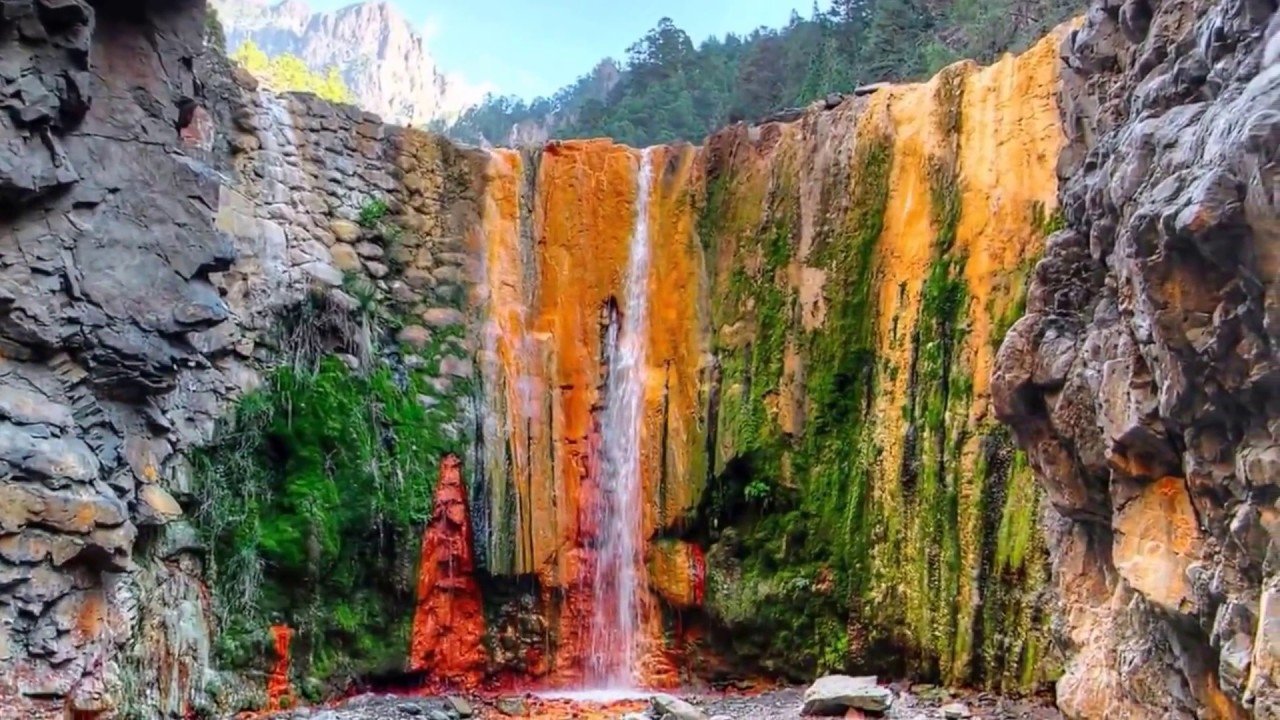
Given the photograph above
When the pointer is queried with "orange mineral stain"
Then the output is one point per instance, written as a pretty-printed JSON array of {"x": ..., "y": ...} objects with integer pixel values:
[
  {"x": 448, "y": 625},
  {"x": 279, "y": 692}
]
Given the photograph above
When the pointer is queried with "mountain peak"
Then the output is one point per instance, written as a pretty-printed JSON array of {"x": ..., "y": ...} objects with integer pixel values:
[{"x": 382, "y": 58}]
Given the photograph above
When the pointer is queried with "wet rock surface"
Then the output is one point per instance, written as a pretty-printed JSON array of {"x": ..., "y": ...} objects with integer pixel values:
[{"x": 1142, "y": 380}]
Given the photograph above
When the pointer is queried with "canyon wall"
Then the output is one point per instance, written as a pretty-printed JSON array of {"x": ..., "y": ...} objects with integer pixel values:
[
  {"x": 293, "y": 402},
  {"x": 107, "y": 250},
  {"x": 1142, "y": 380},
  {"x": 824, "y": 485}
]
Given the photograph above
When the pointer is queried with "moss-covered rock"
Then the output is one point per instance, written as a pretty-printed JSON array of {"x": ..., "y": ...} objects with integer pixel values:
[
  {"x": 835, "y": 542},
  {"x": 313, "y": 499}
]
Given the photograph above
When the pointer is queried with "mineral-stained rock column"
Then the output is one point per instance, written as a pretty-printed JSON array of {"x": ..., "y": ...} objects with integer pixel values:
[
  {"x": 864, "y": 261},
  {"x": 279, "y": 687},
  {"x": 448, "y": 625},
  {"x": 554, "y": 244}
]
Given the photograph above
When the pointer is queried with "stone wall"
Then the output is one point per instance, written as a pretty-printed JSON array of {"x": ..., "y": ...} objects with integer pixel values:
[
  {"x": 158, "y": 215},
  {"x": 1142, "y": 380}
]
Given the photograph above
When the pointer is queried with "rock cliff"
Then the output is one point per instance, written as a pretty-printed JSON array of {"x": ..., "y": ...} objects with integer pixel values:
[
  {"x": 384, "y": 60},
  {"x": 1142, "y": 378},
  {"x": 106, "y": 299},
  {"x": 294, "y": 402}
]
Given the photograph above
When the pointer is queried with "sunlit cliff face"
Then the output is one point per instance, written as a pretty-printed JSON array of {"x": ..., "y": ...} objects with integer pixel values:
[{"x": 825, "y": 298}]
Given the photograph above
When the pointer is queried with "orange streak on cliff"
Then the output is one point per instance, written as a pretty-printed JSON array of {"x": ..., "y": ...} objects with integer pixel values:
[
  {"x": 449, "y": 622},
  {"x": 1009, "y": 140},
  {"x": 583, "y": 217},
  {"x": 546, "y": 290},
  {"x": 676, "y": 344},
  {"x": 279, "y": 694}
]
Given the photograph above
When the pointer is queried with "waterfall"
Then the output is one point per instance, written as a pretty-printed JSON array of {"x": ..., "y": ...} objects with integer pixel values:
[{"x": 619, "y": 571}]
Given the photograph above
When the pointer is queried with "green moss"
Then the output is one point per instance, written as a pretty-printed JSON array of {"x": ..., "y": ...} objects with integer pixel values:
[
  {"x": 899, "y": 552},
  {"x": 372, "y": 213},
  {"x": 314, "y": 495},
  {"x": 1045, "y": 222}
]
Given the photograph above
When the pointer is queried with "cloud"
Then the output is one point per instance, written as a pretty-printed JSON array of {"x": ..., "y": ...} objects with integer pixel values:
[{"x": 430, "y": 28}]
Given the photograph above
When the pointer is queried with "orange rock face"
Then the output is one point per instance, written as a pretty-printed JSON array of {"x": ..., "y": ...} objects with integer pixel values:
[
  {"x": 552, "y": 273},
  {"x": 279, "y": 691},
  {"x": 448, "y": 625}
]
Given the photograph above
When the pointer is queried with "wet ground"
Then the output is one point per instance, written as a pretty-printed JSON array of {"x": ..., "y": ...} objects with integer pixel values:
[{"x": 915, "y": 703}]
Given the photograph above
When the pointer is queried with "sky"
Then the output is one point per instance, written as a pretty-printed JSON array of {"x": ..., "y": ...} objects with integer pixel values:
[{"x": 534, "y": 47}]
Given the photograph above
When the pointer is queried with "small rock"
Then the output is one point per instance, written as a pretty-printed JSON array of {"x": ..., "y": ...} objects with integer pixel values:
[
  {"x": 955, "y": 711},
  {"x": 721, "y": 717},
  {"x": 369, "y": 250},
  {"x": 673, "y": 707},
  {"x": 345, "y": 230},
  {"x": 412, "y": 709},
  {"x": 460, "y": 706},
  {"x": 442, "y": 317},
  {"x": 376, "y": 269},
  {"x": 345, "y": 257},
  {"x": 156, "y": 506},
  {"x": 833, "y": 695},
  {"x": 433, "y": 715},
  {"x": 457, "y": 367},
  {"x": 415, "y": 336},
  {"x": 513, "y": 707}
]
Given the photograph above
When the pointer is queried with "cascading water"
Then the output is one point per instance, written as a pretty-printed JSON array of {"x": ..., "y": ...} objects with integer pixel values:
[{"x": 619, "y": 569}]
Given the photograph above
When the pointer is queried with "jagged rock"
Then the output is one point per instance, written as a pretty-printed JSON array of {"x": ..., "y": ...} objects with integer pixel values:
[
  {"x": 156, "y": 506},
  {"x": 1150, "y": 432},
  {"x": 675, "y": 708},
  {"x": 835, "y": 694}
]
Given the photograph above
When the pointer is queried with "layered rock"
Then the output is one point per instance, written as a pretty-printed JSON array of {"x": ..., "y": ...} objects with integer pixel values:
[
  {"x": 106, "y": 292},
  {"x": 1141, "y": 380}
]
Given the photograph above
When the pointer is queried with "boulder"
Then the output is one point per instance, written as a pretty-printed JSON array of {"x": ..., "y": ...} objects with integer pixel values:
[
  {"x": 460, "y": 706},
  {"x": 833, "y": 695},
  {"x": 669, "y": 706}
]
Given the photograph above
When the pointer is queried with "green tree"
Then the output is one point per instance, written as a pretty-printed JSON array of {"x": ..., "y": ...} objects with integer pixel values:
[{"x": 289, "y": 73}]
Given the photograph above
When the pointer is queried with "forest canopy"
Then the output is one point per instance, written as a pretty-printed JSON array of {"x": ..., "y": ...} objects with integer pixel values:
[{"x": 670, "y": 89}]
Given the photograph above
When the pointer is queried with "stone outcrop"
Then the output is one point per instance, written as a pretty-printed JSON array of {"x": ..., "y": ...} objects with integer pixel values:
[
  {"x": 1142, "y": 378},
  {"x": 106, "y": 289},
  {"x": 448, "y": 626},
  {"x": 159, "y": 213}
]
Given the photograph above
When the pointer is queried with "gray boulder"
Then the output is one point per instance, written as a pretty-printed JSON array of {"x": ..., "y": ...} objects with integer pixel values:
[
  {"x": 673, "y": 708},
  {"x": 834, "y": 695}
]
